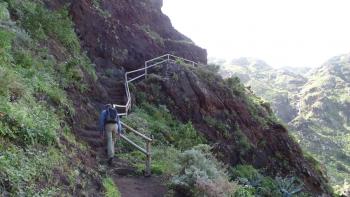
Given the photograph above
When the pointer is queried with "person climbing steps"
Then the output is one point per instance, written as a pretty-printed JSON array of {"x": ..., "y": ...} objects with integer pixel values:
[{"x": 110, "y": 129}]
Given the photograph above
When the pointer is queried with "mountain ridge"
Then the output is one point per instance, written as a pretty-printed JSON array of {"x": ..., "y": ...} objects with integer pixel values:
[{"x": 314, "y": 104}]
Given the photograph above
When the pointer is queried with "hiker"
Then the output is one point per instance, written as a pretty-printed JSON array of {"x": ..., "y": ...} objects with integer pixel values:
[{"x": 110, "y": 126}]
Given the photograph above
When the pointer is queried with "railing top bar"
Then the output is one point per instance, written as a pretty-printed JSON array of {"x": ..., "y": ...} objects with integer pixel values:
[
  {"x": 115, "y": 105},
  {"x": 157, "y": 58},
  {"x": 133, "y": 71},
  {"x": 184, "y": 59},
  {"x": 136, "y": 132},
  {"x": 131, "y": 80},
  {"x": 157, "y": 63}
]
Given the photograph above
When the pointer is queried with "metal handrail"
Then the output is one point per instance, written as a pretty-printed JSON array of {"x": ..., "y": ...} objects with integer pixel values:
[
  {"x": 155, "y": 61},
  {"x": 146, "y": 151},
  {"x": 136, "y": 132}
]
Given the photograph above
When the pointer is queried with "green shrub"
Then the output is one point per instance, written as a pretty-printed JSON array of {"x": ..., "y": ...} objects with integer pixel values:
[
  {"x": 186, "y": 136},
  {"x": 237, "y": 88},
  {"x": 258, "y": 185},
  {"x": 244, "y": 192},
  {"x": 244, "y": 171},
  {"x": 201, "y": 174},
  {"x": 289, "y": 186}
]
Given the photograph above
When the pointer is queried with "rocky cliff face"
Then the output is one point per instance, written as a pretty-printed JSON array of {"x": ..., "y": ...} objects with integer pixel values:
[
  {"x": 242, "y": 130},
  {"x": 127, "y": 33}
]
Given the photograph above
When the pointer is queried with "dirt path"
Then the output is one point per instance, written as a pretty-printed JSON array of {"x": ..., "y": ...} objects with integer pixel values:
[{"x": 140, "y": 186}]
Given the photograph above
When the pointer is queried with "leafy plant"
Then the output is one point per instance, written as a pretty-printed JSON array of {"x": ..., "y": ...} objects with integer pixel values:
[
  {"x": 201, "y": 174},
  {"x": 289, "y": 186}
]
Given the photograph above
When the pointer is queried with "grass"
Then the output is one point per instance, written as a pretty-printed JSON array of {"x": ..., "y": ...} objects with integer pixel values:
[
  {"x": 20, "y": 169},
  {"x": 33, "y": 102},
  {"x": 111, "y": 190},
  {"x": 158, "y": 121}
]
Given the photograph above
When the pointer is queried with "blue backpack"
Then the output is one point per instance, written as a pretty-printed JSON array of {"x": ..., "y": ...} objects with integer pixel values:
[{"x": 111, "y": 115}]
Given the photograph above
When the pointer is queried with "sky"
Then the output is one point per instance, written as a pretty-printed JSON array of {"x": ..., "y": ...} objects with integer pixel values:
[{"x": 293, "y": 33}]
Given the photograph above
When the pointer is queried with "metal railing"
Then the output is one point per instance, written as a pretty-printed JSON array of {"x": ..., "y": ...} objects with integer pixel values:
[
  {"x": 146, "y": 151},
  {"x": 143, "y": 72}
]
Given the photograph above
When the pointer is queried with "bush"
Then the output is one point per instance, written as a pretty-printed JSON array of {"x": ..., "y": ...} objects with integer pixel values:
[
  {"x": 186, "y": 136},
  {"x": 289, "y": 186},
  {"x": 244, "y": 192},
  {"x": 237, "y": 88},
  {"x": 254, "y": 183},
  {"x": 201, "y": 174}
]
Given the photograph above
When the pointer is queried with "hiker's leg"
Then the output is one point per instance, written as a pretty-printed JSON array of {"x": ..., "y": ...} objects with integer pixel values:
[
  {"x": 110, "y": 141},
  {"x": 114, "y": 137},
  {"x": 115, "y": 131}
]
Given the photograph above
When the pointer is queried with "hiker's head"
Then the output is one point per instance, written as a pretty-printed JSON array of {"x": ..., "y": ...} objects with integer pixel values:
[{"x": 108, "y": 106}]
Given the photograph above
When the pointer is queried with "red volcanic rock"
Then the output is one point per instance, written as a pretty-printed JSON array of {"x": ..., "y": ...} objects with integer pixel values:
[
  {"x": 128, "y": 32},
  {"x": 242, "y": 132}
]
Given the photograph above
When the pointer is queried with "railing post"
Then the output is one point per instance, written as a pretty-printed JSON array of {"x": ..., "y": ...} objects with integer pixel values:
[{"x": 148, "y": 159}]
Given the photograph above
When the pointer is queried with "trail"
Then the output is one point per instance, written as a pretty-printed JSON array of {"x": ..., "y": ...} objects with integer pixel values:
[{"x": 130, "y": 184}]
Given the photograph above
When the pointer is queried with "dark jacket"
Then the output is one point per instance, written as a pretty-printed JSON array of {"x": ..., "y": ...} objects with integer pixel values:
[{"x": 102, "y": 122}]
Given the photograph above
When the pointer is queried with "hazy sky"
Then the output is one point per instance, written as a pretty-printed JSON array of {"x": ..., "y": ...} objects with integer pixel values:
[{"x": 280, "y": 32}]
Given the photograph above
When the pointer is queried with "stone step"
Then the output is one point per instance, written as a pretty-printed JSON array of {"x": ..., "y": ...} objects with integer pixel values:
[
  {"x": 93, "y": 142},
  {"x": 94, "y": 134},
  {"x": 92, "y": 127}
]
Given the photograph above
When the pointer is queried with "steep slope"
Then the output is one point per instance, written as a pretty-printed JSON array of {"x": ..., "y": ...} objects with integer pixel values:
[
  {"x": 119, "y": 36},
  {"x": 315, "y": 105},
  {"x": 241, "y": 127},
  {"x": 279, "y": 86},
  {"x": 323, "y": 121},
  {"x": 39, "y": 155}
]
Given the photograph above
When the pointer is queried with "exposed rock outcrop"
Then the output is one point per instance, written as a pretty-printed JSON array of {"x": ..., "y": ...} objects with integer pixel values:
[
  {"x": 126, "y": 33},
  {"x": 241, "y": 131}
]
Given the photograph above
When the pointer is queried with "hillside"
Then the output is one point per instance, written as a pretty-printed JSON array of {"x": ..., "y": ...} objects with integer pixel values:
[
  {"x": 62, "y": 60},
  {"x": 315, "y": 105}
]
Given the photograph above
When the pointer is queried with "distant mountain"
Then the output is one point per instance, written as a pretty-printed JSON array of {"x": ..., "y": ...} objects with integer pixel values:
[
  {"x": 314, "y": 103},
  {"x": 279, "y": 86}
]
